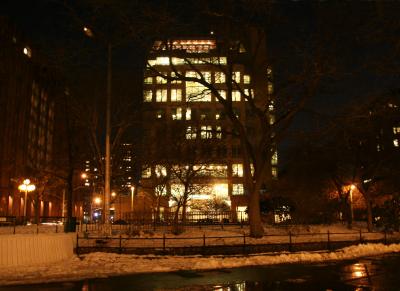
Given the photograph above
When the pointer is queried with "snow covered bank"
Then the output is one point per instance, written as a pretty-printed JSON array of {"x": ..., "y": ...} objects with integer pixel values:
[
  {"x": 96, "y": 265},
  {"x": 35, "y": 249}
]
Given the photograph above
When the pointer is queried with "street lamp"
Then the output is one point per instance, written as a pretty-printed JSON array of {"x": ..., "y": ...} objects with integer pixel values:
[
  {"x": 107, "y": 172},
  {"x": 26, "y": 187}
]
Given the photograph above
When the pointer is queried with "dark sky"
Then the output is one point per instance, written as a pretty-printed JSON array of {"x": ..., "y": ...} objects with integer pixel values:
[{"x": 358, "y": 39}]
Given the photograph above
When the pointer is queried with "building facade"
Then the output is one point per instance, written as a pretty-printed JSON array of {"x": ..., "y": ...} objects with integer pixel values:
[
  {"x": 186, "y": 128},
  {"x": 27, "y": 112}
]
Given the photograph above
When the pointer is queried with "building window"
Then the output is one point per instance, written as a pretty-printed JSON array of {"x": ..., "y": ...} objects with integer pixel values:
[
  {"x": 173, "y": 75},
  {"x": 274, "y": 172},
  {"x": 161, "y": 95},
  {"x": 146, "y": 172},
  {"x": 177, "y": 113},
  {"x": 236, "y": 77},
  {"x": 396, "y": 142},
  {"x": 274, "y": 159},
  {"x": 218, "y": 133},
  {"x": 148, "y": 80},
  {"x": 162, "y": 61},
  {"x": 222, "y": 93},
  {"x": 160, "y": 114},
  {"x": 237, "y": 189},
  {"x": 195, "y": 92},
  {"x": 396, "y": 130},
  {"x": 270, "y": 88},
  {"x": 219, "y": 78},
  {"x": 176, "y": 95},
  {"x": 246, "y": 79},
  {"x": 206, "y": 76},
  {"x": 206, "y": 132},
  {"x": 161, "y": 80},
  {"x": 188, "y": 114},
  {"x": 236, "y": 95},
  {"x": 191, "y": 132},
  {"x": 237, "y": 170},
  {"x": 147, "y": 96},
  {"x": 161, "y": 171}
]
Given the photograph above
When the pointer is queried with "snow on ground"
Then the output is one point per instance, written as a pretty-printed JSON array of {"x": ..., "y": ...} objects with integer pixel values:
[{"x": 100, "y": 265}]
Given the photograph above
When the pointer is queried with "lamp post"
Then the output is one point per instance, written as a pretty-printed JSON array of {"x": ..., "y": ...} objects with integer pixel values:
[
  {"x": 352, "y": 187},
  {"x": 26, "y": 187},
  {"x": 132, "y": 192},
  {"x": 107, "y": 158}
]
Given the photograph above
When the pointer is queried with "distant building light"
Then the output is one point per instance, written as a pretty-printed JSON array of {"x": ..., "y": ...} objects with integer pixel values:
[
  {"x": 27, "y": 51},
  {"x": 396, "y": 142}
]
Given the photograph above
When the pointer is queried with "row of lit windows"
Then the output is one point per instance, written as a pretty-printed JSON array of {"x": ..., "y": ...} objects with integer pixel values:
[
  {"x": 194, "y": 93},
  {"x": 219, "y": 77},
  {"x": 166, "y": 61},
  {"x": 206, "y": 132}
]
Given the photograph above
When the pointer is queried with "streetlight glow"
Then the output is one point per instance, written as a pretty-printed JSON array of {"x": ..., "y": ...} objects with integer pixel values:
[{"x": 26, "y": 187}]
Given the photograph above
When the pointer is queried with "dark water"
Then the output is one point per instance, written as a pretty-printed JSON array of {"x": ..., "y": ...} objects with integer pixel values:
[{"x": 372, "y": 273}]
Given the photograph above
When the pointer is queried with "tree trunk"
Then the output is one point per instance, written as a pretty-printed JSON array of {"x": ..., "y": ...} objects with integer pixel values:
[
  {"x": 68, "y": 227},
  {"x": 369, "y": 213},
  {"x": 256, "y": 228}
]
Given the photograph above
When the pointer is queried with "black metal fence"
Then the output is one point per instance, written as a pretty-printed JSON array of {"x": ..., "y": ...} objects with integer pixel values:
[{"x": 235, "y": 244}]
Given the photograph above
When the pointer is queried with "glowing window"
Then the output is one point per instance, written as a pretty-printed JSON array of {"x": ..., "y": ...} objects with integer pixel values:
[
  {"x": 206, "y": 131},
  {"x": 176, "y": 95},
  {"x": 206, "y": 76},
  {"x": 161, "y": 95},
  {"x": 220, "y": 190},
  {"x": 274, "y": 159},
  {"x": 396, "y": 142},
  {"x": 236, "y": 95},
  {"x": 148, "y": 80},
  {"x": 188, "y": 114},
  {"x": 270, "y": 88},
  {"x": 218, "y": 133},
  {"x": 27, "y": 51},
  {"x": 237, "y": 170},
  {"x": 396, "y": 130},
  {"x": 237, "y": 189},
  {"x": 163, "y": 61},
  {"x": 173, "y": 75},
  {"x": 191, "y": 132},
  {"x": 271, "y": 119},
  {"x": 246, "y": 79},
  {"x": 219, "y": 77},
  {"x": 147, "y": 95},
  {"x": 151, "y": 62},
  {"x": 236, "y": 77},
  {"x": 274, "y": 172},
  {"x": 222, "y": 93},
  {"x": 161, "y": 80},
  {"x": 177, "y": 113},
  {"x": 146, "y": 172},
  {"x": 161, "y": 171}
]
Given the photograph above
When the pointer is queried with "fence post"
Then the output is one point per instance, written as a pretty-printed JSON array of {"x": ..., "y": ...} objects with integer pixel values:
[
  {"x": 204, "y": 239},
  {"x": 290, "y": 241},
  {"x": 56, "y": 228},
  {"x": 360, "y": 236},
  {"x": 14, "y": 225},
  {"x": 120, "y": 243},
  {"x": 37, "y": 228},
  {"x": 385, "y": 239},
  {"x": 329, "y": 242},
  {"x": 164, "y": 242}
]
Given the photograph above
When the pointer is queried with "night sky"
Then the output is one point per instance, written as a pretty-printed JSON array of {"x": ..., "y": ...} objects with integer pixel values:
[{"x": 360, "y": 39}]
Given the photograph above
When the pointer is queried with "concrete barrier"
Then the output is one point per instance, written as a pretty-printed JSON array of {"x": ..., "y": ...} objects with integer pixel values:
[{"x": 34, "y": 249}]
